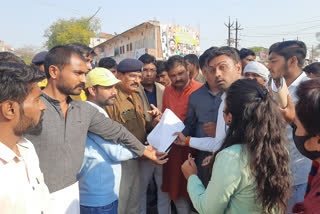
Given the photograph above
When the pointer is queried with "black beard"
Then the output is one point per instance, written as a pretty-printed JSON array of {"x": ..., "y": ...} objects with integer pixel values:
[{"x": 35, "y": 130}]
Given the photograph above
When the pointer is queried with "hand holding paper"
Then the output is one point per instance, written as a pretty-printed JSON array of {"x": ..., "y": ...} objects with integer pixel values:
[
  {"x": 161, "y": 136},
  {"x": 180, "y": 140}
]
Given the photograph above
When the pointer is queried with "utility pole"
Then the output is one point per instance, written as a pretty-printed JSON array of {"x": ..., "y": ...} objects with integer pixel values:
[
  {"x": 312, "y": 54},
  {"x": 237, "y": 29},
  {"x": 229, "y": 26}
]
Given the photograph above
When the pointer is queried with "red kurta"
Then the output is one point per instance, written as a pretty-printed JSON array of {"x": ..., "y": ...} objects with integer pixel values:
[{"x": 173, "y": 180}]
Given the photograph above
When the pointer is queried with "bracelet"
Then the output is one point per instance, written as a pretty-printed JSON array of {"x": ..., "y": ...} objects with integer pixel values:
[{"x": 187, "y": 141}]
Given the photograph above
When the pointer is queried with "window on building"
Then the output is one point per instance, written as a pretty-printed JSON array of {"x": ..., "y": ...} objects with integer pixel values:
[
  {"x": 130, "y": 46},
  {"x": 127, "y": 47},
  {"x": 116, "y": 51}
]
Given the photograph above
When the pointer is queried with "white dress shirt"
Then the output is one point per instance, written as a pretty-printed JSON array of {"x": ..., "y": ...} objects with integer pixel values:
[{"x": 22, "y": 188}]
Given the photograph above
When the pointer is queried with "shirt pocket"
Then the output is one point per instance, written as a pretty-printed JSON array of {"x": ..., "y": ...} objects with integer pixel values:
[{"x": 128, "y": 116}]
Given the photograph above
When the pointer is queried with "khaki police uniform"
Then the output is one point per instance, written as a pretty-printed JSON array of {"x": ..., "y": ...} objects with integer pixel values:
[{"x": 128, "y": 110}]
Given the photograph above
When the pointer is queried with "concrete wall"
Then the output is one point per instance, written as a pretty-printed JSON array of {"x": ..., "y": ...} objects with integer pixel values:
[{"x": 130, "y": 44}]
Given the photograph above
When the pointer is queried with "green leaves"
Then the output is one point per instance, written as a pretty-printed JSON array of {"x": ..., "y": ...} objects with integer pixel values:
[{"x": 74, "y": 30}]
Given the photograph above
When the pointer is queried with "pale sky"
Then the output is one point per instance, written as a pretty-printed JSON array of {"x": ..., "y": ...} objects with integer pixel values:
[{"x": 23, "y": 22}]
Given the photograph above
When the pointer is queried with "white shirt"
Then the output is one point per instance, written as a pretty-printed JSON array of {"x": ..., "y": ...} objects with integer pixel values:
[
  {"x": 101, "y": 110},
  {"x": 300, "y": 165},
  {"x": 212, "y": 144},
  {"x": 22, "y": 188}
]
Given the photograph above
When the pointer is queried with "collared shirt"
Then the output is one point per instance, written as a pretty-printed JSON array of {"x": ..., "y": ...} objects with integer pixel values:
[
  {"x": 173, "y": 181},
  {"x": 152, "y": 96},
  {"x": 22, "y": 188},
  {"x": 128, "y": 110},
  {"x": 300, "y": 165},
  {"x": 61, "y": 144},
  {"x": 202, "y": 108}
]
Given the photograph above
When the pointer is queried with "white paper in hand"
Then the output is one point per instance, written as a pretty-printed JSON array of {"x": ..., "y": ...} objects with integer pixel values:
[{"x": 161, "y": 136}]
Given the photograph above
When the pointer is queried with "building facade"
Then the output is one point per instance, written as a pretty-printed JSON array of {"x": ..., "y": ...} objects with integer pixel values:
[{"x": 152, "y": 37}]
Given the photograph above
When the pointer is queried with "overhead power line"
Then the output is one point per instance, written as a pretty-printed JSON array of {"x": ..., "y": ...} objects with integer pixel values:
[{"x": 229, "y": 26}]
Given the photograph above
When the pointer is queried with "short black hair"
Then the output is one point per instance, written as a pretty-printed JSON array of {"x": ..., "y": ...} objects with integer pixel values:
[
  {"x": 107, "y": 62},
  {"x": 244, "y": 52},
  {"x": 203, "y": 59},
  {"x": 10, "y": 57},
  {"x": 83, "y": 49},
  {"x": 308, "y": 105},
  {"x": 225, "y": 50},
  {"x": 147, "y": 59},
  {"x": 60, "y": 56},
  {"x": 175, "y": 61},
  {"x": 15, "y": 81},
  {"x": 290, "y": 48},
  {"x": 313, "y": 68},
  {"x": 192, "y": 59},
  {"x": 161, "y": 66}
]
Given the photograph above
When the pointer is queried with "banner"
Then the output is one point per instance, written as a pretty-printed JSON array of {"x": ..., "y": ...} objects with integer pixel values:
[{"x": 179, "y": 40}]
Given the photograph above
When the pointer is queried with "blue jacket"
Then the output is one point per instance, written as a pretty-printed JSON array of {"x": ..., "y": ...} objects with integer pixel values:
[
  {"x": 199, "y": 113},
  {"x": 100, "y": 174}
]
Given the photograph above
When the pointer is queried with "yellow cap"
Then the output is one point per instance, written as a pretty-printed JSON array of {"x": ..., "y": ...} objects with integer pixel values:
[{"x": 101, "y": 76}]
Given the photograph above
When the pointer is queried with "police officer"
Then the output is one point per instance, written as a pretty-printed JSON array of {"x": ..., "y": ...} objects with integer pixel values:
[{"x": 128, "y": 110}]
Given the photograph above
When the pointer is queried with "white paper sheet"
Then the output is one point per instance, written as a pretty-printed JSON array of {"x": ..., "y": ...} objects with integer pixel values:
[
  {"x": 161, "y": 136},
  {"x": 66, "y": 201}
]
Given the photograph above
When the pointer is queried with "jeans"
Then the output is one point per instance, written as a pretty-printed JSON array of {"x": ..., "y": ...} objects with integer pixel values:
[{"x": 108, "y": 209}]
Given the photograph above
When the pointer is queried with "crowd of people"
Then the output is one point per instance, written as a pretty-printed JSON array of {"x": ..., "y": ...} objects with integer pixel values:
[{"x": 74, "y": 133}]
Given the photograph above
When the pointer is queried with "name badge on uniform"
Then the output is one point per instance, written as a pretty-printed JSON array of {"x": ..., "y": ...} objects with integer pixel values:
[{"x": 125, "y": 112}]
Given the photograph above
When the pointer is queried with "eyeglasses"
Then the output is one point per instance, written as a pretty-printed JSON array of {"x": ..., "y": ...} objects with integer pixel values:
[{"x": 149, "y": 70}]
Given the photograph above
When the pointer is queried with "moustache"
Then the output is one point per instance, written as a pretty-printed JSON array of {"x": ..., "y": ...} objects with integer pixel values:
[
  {"x": 81, "y": 85},
  {"x": 113, "y": 96},
  {"x": 179, "y": 81},
  {"x": 135, "y": 84}
]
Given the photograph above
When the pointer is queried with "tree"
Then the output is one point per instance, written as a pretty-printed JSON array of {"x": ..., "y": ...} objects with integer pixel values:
[
  {"x": 259, "y": 49},
  {"x": 73, "y": 30},
  {"x": 26, "y": 53}
]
